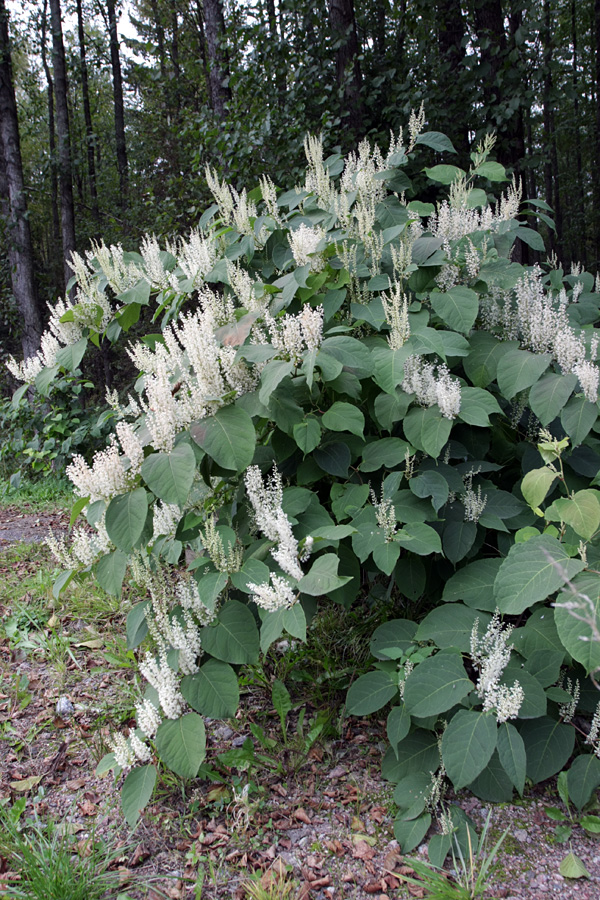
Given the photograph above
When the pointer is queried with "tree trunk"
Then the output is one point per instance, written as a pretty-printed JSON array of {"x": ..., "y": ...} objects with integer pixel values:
[
  {"x": 551, "y": 165},
  {"x": 347, "y": 66},
  {"x": 14, "y": 201},
  {"x": 55, "y": 242},
  {"x": 450, "y": 33},
  {"x": 277, "y": 48},
  {"x": 87, "y": 114},
  {"x": 579, "y": 215},
  {"x": 218, "y": 64},
  {"x": 117, "y": 79},
  {"x": 65, "y": 176}
]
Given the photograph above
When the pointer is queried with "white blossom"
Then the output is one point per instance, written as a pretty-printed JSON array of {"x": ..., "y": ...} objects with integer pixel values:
[
  {"x": 164, "y": 680},
  {"x": 304, "y": 242},
  {"x": 490, "y": 654},
  {"x": 266, "y": 499},
  {"x": 432, "y": 385},
  {"x": 147, "y": 717},
  {"x": 395, "y": 308},
  {"x": 277, "y": 595}
]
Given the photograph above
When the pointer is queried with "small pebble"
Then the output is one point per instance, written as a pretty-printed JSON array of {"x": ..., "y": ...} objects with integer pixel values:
[{"x": 64, "y": 707}]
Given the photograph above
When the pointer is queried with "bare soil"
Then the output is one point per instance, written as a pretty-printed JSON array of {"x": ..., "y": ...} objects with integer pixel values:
[{"x": 17, "y": 525}]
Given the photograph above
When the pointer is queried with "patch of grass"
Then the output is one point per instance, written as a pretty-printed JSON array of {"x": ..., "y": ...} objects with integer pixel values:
[
  {"x": 47, "y": 493},
  {"x": 46, "y": 863}
]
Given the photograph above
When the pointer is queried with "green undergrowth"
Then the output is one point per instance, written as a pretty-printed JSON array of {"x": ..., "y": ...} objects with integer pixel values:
[{"x": 50, "y": 493}]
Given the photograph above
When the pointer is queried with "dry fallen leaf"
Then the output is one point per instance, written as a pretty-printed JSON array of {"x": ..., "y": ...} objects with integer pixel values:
[
  {"x": 26, "y": 784},
  {"x": 300, "y": 814},
  {"x": 363, "y": 851}
]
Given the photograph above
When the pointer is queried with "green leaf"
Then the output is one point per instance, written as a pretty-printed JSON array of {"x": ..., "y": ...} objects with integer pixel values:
[
  {"x": 519, "y": 369},
  {"x": 436, "y": 140},
  {"x": 181, "y": 744},
  {"x": 527, "y": 575},
  {"x": 229, "y": 437},
  {"x": 137, "y": 624},
  {"x": 513, "y": 758},
  {"x": 125, "y": 518},
  {"x": 481, "y": 365},
  {"x": 271, "y": 629},
  {"x": 344, "y": 417},
  {"x": 392, "y": 639},
  {"x": 467, "y": 745},
  {"x": 45, "y": 378},
  {"x": 411, "y": 795},
  {"x": 430, "y": 484},
  {"x": 273, "y": 373},
  {"x": 139, "y": 293},
  {"x": 234, "y": 636},
  {"x": 536, "y": 485},
  {"x": 353, "y": 354},
  {"x": 451, "y": 626},
  {"x": 458, "y": 538},
  {"x": 386, "y": 452},
  {"x": 110, "y": 572},
  {"x": 388, "y": 367},
  {"x": 476, "y": 406},
  {"x": 370, "y": 692},
  {"x": 549, "y": 395},
  {"x": 419, "y": 538},
  {"x": 170, "y": 475},
  {"x": 583, "y": 778},
  {"x": 444, "y": 174},
  {"x": 573, "y": 867},
  {"x": 307, "y": 434},
  {"x": 548, "y": 745},
  {"x": 323, "y": 577},
  {"x": 530, "y": 237},
  {"x": 578, "y": 636},
  {"x": 427, "y": 430},
  {"x": 492, "y": 170},
  {"x": 136, "y": 792},
  {"x": 213, "y": 690},
  {"x": 474, "y": 584},
  {"x": 294, "y": 621},
  {"x": 280, "y": 697},
  {"x": 417, "y": 753},
  {"x": 78, "y": 506},
  {"x": 398, "y": 724},
  {"x": 210, "y": 586},
  {"x": 385, "y": 556},
  {"x": 410, "y": 834},
  {"x": 493, "y": 784},
  {"x": 70, "y": 356},
  {"x": 252, "y": 572},
  {"x": 577, "y": 418},
  {"x": 334, "y": 458},
  {"x": 591, "y": 824},
  {"x": 458, "y": 307},
  {"x": 391, "y": 408},
  {"x": 436, "y": 685},
  {"x": 581, "y": 511}
]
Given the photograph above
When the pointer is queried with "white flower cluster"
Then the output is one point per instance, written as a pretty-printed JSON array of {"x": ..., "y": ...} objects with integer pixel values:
[
  {"x": 293, "y": 335},
  {"x": 490, "y": 655},
  {"x": 568, "y": 710},
  {"x": 385, "y": 514},
  {"x": 147, "y": 717},
  {"x": 453, "y": 218},
  {"x": 594, "y": 733},
  {"x": 164, "y": 680},
  {"x": 236, "y": 209},
  {"x": 229, "y": 560},
  {"x": 266, "y": 499},
  {"x": 195, "y": 256},
  {"x": 111, "y": 473},
  {"x": 277, "y": 595},
  {"x": 432, "y": 385},
  {"x": 317, "y": 177},
  {"x": 85, "y": 548},
  {"x": 269, "y": 195},
  {"x": 474, "y": 502},
  {"x": 245, "y": 289},
  {"x": 166, "y": 519},
  {"x": 395, "y": 308},
  {"x": 188, "y": 595},
  {"x": 155, "y": 272},
  {"x": 128, "y": 751},
  {"x": 120, "y": 275},
  {"x": 304, "y": 242}
]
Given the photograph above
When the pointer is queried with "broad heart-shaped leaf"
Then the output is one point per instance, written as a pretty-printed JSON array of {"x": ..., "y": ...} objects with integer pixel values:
[
  {"x": 136, "y": 792},
  {"x": 70, "y": 356},
  {"x": 229, "y": 437},
  {"x": 170, "y": 475},
  {"x": 273, "y": 373},
  {"x": 436, "y": 684},
  {"x": 549, "y": 395},
  {"x": 110, "y": 572},
  {"x": 457, "y": 307},
  {"x": 344, "y": 417},
  {"x": 527, "y": 575},
  {"x": 294, "y": 621},
  {"x": 390, "y": 408},
  {"x": 427, "y": 429},
  {"x": 451, "y": 626},
  {"x": 181, "y": 744},
  {"x": 385, "y": 556},
  {"x": 370, "y": 692},
  {"x": 476, "y": 406},
  {"x": 577, "y": 636},
  {"x": 323, "y": 577},
  {"x": 410, "y": 834},
  {"x": 577, "y": 418},
  {"x": 271, "y": 628},
  {"x": 511, "y": 751},
  {"x": 436, "y": 140},
  {"x": 481, "y": 365},
  {"x": 417, "y": 753},
  {"x": 430, "y": 484},
  {"x": 388, "y": 367},
  {"x": 474, "y": 584},
  {"x": 467, "y": 745},
  {"x": 458, "y": 538},
  {"x": 398, "y": 724},
  {"x": 234, "y": 637},
  {"x": 493, "y": 784},
  {"x": 392, "y": 639},
  {"x": 307, "y": 434},
  {"x": 583, "y": 778},
  {"x": 581, "y": 511},
  {"x": 213, "y": 690},
  {"x": 411, "y": 795},
  {"x": 444, "y": 174},
  {"x": 536, "y": 485},
  {"x": 492, "y": 170},
  {"x": 126, "y": 517},
  {"x": 419, "y": 538},
  {"x": 334, "y": 458},
  {"x": 519, "y": 369},
  {"x": 548, "y": 745},
  {"x": 573, "y": 867},
  {"x": 388, "y": 452}
]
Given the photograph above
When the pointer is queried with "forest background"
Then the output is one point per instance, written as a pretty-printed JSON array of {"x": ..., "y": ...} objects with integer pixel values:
[{"x": 116, "y": 131}]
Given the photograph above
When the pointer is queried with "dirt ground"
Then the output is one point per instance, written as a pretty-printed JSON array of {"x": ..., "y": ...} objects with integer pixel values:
[{"x": 322, "y": 819}]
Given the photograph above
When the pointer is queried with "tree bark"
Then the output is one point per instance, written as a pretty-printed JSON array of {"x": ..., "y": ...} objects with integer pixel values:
[
  {"x": 579, "y": 216},
  {"x": 65, "y": 175},
  {"x": 450, "y": 33},
  {"x": 551, "y": 176},
  {"x": 87, "y": 114},
  {"x": 218, "y": 64},
  {"x": 117, "y": 79},
  {"x": 347, "y": 66},
  {"x": 55, "y": 242},
  {"x": 14, "y": 201}
]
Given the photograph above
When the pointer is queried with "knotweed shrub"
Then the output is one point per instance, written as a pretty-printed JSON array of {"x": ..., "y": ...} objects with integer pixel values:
[{"x": 365, "y": 395}]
